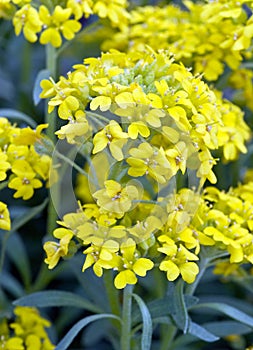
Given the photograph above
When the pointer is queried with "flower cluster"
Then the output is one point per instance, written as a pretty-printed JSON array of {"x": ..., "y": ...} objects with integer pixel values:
[
  {"x": 28, "y": 169},
  {"x": 204, "y": 35},
  {"x": 52, "y": 24},
  {"x": 147, "y": 119},
  {"x": 233, "y": 224},
  {"x": 27, "y": 332},
  {"x": 147, "y": 90},
  {"x": 170, "y": 236}
]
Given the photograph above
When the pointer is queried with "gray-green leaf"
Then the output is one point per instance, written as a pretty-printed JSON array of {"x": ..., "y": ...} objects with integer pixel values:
[
  {"x": 146, "y": 338},
  {"x": 67, "y": 340}
]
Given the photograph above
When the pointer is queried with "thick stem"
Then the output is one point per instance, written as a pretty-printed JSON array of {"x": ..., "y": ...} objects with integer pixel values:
[{"x": 125, "y": 340}]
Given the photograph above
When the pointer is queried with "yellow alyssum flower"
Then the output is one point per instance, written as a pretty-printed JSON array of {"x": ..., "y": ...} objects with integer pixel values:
[
  {"x": 179, "y": 260},
  {"x": 6, "y": 9},
  {"x": 207, "y": 36},
  {"x": 113, "y": 137},
  {"x": 115, "y": 197},
  {"x": 148, "y": 160},
  {"x": 57, "y": 23},
  {"x": 100, "y": 256},
  {"x": 130, "y": 265},
  {"x": 5, "y": 222},
  {"x": 56, "y": 250},
  {"x": 25, "y": 182},
  {"x": 27, "y": 332},
  {"x": 18, "y": 156},
  {"x": 114, "y": 10},
  {"x": 28, "y": 20}
]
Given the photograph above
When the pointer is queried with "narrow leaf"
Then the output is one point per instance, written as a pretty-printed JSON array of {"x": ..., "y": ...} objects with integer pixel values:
[
  {"x": 31, "y": 213},
  {"x": 163, "y": 307},
  {"x": 146, "y": 337},
  {"x": 16, "y": 115},
  {"x": 43, "y": 74},
  {"x": 225, "y": 328},
  {"x": 56, "y": 298},
  {"x": 67, "y": 340},
  {"x": 19, "y": 257},
  {"x": 229, "y": 311},
  {"x": 180, "y": 314},
  {"x": 11, "y": 284},
  {"x": 200, "y": 332}
]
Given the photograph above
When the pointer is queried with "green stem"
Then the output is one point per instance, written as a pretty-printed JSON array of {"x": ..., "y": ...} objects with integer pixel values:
[
  {"x": 113, "y": 296},
  {"x": 51, "y": 63},
  {"x": 125, "y": 340}
]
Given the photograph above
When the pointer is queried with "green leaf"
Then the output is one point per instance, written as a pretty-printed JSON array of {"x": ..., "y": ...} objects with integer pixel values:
[
  {"x": 179, "y": 313},
  {"x": 31, "y": 213},
  {"x": 239, "y": 304},
  {"x": 200, "y": 332},
  {"x": 56, "y": 298},
  {"x": 43, "y": 74},
  {"x": 163, "y": 307},
  {"x": 16, "y": 115},
  {"x": 19, "y": 257},
  {"x": 224, "y": 328},
  {"x": 67, "y": 340},
  {"x": 146, "y": 337},
  {"x": 11, "y": 284},
  {"x": 228, "y": 311}
]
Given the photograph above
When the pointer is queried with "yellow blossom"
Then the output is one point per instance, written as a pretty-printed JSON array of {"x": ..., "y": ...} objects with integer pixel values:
[
  {"x": 148, "y": 160},
  {"x": 56, "y": 24},
  {"x": 130, "y": 265},
  {"x": 28, "y": 20},
  {"x": 116, "y": 198},
  {"x": 113, "y": 137},
  {"x": 25, "y": 182},
  {"x": 55, "y": 250}
]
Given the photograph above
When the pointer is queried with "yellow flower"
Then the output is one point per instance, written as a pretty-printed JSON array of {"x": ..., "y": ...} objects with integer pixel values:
[
  {"x": 5, "y": 223},
  {"x": 55, "y": 250},
  {"x": 15, "y": 343},
  {"x": 56, "y": 24},
  {"x": 28, "y": 20},
  {"x": 6, "y": 9},
  {"x": 148, "y": 160},
  {"x": 136, "y": 128},
  {"x": 100, "y": 257},
  {"x": 115, "y": 198},
  {"x": 130, "y": 265},
  {"x": 25, "y": 182},
  {"x": 177, "y": 261},
  {"x": 113, "y": 137},
  {"x": 75, "y": 130},
  {"x": 27, "y": 136}
]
